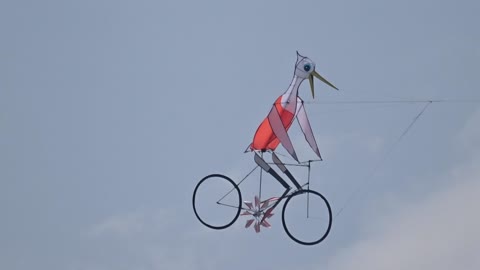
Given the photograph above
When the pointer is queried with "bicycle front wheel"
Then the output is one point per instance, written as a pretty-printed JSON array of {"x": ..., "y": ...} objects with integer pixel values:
[
  {"x": 217, "y": 201},
  {"x": 307, "y": 217}
]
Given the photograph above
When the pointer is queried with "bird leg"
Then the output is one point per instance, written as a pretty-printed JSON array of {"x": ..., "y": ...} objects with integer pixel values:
[
  {"x": 264, "y": 165},
  {"x": 284, "y": 169}
]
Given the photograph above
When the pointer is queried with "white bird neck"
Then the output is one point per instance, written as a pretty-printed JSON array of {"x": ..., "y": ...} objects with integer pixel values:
[{"x": 290, "y": 96}]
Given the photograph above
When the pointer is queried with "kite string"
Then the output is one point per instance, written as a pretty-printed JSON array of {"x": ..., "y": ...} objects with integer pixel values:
[
  {"x": 369, "y": 177},
  {"x": 395, "y": 101}
]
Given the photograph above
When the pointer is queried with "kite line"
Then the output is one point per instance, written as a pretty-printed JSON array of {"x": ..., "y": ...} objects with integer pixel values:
[
  {"x": 369, "y": 178},
  {"x": 395, "y": 101}
]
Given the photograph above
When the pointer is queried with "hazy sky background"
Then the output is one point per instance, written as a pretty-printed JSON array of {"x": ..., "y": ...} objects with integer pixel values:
[{"x": 112, "y": 111}]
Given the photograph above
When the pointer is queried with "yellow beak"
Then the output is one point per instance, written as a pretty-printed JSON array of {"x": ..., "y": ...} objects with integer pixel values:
[{"x": 318, "y": 76}]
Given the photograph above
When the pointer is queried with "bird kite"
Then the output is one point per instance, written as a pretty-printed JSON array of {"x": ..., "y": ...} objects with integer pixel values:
[{"x": 270, "y": 134}]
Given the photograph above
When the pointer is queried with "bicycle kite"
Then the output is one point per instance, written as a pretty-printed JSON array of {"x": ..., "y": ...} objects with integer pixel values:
[{"x": 302, "y": 205}]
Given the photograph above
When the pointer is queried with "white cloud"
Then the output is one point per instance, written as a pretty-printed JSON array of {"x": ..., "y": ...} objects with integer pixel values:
[
  {"x": 440, "y": 231},
  {"x": 119, "y": 225},
  {"x": 166, "y": 239}
]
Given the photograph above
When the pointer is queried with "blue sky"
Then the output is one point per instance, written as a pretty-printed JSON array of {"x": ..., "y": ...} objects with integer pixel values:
[{"x": 111, "y": 111}]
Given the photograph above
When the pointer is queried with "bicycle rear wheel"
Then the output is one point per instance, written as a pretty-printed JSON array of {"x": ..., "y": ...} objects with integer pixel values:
[
  {"x": 307, "y": 217},
  {"x": 217, "y": 201}
]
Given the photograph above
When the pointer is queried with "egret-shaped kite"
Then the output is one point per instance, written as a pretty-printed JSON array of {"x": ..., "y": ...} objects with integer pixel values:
[{"x": 270, "y": 134}]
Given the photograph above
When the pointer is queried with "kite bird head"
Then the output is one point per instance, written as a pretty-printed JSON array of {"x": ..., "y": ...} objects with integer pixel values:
[{"x": 305, "y": 68}]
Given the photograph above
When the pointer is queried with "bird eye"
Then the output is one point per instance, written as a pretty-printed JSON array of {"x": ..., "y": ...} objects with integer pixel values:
[{"x": 307, "y": 67}]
